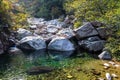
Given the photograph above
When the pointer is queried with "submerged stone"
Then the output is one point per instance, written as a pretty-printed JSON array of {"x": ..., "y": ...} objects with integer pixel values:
[{"x": 39, "y": 70}]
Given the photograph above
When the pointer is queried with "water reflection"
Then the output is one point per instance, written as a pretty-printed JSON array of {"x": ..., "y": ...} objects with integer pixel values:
[
  {"x": 59, "y": 55},
  {"x": 17, "y": 63},
  {"x": 4, "y": 63},
  {"x": 35, "y": 55}
]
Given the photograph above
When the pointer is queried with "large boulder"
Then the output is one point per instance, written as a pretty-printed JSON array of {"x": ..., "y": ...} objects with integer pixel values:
[
  {"x": 92, "y": 44},
  {"x": 105, "y": 55},
  {"x": 61, "y": 44},
  {"x": 1, "y": 48},
  {"x": 102, "y": 32},
  {"x": 87, "y": 30},
  {"x": 32, "y": 43},
  {"x": 21, "y": 33}
]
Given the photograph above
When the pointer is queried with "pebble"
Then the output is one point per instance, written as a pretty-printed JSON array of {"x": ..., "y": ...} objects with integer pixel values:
[
  {"x": 111, "y": 62},
  {"x": 117, "y": 65},
  {"x": 106, "y": 64},
  {"x": 105, "y": 67},
  {"x": 114, "y": 75},
  {"x": 108, "y": 76},
  {"x": 69, "y": 76},
  {"x": 100, "y": 79}
]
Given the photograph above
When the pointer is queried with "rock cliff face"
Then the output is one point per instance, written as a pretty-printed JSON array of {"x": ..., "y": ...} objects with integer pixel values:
[{"x": 6, "y": 41}]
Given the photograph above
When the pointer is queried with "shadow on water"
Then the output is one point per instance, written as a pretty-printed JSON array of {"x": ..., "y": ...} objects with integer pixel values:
[
  {"x": 4, "y": 63},
  {"x": 59, "y": 55}
]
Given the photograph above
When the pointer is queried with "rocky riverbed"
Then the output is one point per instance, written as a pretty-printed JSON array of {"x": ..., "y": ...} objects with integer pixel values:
[{"x": 56, "y": 40}]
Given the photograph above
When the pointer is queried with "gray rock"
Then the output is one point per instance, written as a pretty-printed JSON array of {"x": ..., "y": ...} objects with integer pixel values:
[
  {"x": 92, "y": 46},
  {"x": 97, "y": 24},
  {"x": 32, "y": 43},
  {"x": 105, "y": 55},
  {"x": 108, "y": 76},
  {"x": 1, "y": 48},
  {"x": 86, "y": 30},
  {"x": 52, "y": 29},
  {"x": 61, "y": 44},
  {"x": 102, "y": 32},
  {"x": 95, "y": 38},
  {"x": 21, "y": 33},
  {"x": 33, "y": 27},
  {"x": 14, "y": 50},
  {"x": 35, "y": 21},
  {"x": 68, "y": 33}
]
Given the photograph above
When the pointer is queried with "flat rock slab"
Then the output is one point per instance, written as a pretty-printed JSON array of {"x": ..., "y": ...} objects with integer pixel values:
[{"x": 85, "y": 31}]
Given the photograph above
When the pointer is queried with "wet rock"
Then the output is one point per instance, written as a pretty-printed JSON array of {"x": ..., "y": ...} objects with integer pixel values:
[
  {"x": 21, "y": 33},
  {"x": 105, "y": 55},
  {"x": 61, "y": 44},
  {"x": 102, "y": 33},
  {"x": 108, "y": 76},
  {"x": 95, "y": 38},
  {"x": 86, "y": 30},
  {"x": 39, "y": 70},
  {"x": 92, "y": 46},
  {"x": 32, "y": 43}
]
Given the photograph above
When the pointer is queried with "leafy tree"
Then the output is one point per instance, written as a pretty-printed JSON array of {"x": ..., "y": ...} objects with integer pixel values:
[
  {"x": 44, "y": 8},
  {"x": 11, "y": 14},
  {"x": 94, "y": 10},
  {"x": 106, "y": 11}
]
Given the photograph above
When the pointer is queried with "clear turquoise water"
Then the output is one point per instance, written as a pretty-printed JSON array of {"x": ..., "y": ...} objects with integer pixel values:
[{"x": 14, "y": 66}]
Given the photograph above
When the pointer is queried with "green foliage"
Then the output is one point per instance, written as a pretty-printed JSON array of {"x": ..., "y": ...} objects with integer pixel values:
[
  {"x": 106, "y": 11},
  {"x": 94, "y": 10},
  {"x": 48, "y": 9},
  {"x": 12, "y": 14}
]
